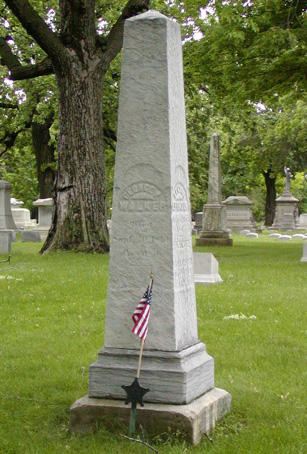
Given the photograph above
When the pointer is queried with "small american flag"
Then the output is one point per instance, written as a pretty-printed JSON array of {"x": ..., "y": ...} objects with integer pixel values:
[{"x": 142, "y": 313}]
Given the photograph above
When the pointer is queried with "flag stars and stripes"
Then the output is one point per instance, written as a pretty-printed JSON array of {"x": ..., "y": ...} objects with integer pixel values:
[{"x": 141, "y": 314}]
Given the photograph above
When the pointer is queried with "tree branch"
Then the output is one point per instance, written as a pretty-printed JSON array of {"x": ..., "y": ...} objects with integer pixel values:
[
  {"x": 7, "y": 57},
  {"x": 39, "y": 30},
  {"x": 19, "y": 72},
  {"x": 42, "y": 68},
  {"x": 114, "y": 41},
  {"x": 4, "y": 105}
]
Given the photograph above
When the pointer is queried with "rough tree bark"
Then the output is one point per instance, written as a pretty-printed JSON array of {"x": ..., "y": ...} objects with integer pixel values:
[
  {"x": 44, "y": 156},
  {"x": 79, "y": 58},
  {"x": 270, "y": 200}
]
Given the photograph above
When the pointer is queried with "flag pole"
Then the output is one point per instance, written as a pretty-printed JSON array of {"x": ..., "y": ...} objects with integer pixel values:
[
  {"x": 135, "y": 391},
  {"x": 142, "y": 340}
]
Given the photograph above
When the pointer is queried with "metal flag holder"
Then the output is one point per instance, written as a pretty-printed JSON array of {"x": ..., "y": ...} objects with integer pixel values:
[{"x": 135, "y": 392}]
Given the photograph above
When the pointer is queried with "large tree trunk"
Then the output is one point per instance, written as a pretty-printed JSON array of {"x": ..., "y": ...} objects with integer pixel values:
[
  {"x": 45, "y": 157},
  {"x": 270, "y": 200},
  {"x": 79, "y": 219},
  {"x": 79, "y": 57}
]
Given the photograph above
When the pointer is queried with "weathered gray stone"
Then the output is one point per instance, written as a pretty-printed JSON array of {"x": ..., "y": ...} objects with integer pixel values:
[
  {"x": 6, "y": 217},
  {"x": 5, "y": 241},
  {"x": 206, "y": 268},
  {"x": 304, "y": 256},
  {"x": 286, "y": 213},
  {"x": 244, "y": 231},
  {"x": 151, "y": 228},
  {"x": 190, "y": 421},
  {"x": 45, "y": 207},
  {"x": 298, "y": 236},
  {"x": 28, "y": 236},
  {"x": 239, "y": 214},
  {"x": 176, "y": 377},
  {"x": 214, "y": 231},
  {"x": 151, "y": 199},
  {"x": 199, "y": 221},
  {"x": 303, "y": 220}
]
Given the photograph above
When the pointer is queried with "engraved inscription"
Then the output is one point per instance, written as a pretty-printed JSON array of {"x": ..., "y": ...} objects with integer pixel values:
[
  {"x": 141, "y": 190},
  {"x": 142, "y": 205},
  {"x": 179, "y": 199},
  {"x": 141, "y": 197}
]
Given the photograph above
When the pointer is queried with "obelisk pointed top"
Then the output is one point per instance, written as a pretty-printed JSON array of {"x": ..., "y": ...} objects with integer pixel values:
[
  {"x": 214, "y": 186},
  {"x": 150, "y": 14}
]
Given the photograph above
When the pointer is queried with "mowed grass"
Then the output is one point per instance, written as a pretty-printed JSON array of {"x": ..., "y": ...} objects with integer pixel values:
[{"x": 52, "y": 311}]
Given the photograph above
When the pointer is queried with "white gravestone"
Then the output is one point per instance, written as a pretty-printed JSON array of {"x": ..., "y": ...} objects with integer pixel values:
[
  {"x": 304, "y": 256},
  {"x": 303, "y": 220},
  {"x": 21, "y": 216},
  {"x": 6, "y": 217},
  {"x": 5, "y": 241},
  {"x": 45, "y": 207},
  {"x": 151, "y": 228},
  {"x": 251, "y": 235},
  {"x": 285, "y": 238},
  {"x": 275, "y": 235},
  {"x": 206, "y": 268}
]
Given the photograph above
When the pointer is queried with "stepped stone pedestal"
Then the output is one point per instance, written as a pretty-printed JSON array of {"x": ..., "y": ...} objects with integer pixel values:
[
  {"x": 151, "y": 229},
  {"x": 45, "y": 207},
  {"x": 286, "y": 212}
]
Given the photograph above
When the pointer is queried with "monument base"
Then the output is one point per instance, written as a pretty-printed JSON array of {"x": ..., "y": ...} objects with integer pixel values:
[
  {"x": 207, "y": 279},
  {"x": 214, "y": 239},
  {"x": 190, "y": 421},
  {"x": 173, "y": 377}
]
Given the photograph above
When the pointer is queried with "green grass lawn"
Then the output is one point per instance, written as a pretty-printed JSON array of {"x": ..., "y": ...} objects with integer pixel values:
[{"x": 52, "y": 310}]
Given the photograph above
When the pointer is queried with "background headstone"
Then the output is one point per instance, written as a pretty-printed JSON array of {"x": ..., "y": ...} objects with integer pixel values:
[
  {"x": 286, "y": 213},
  {"x": 251, "y": 235},
  {"x": 239, "y": 214},
  {"x": 275, "y": 235},
  {"x": 304, "y": 256},
  {"x": 30, "y": 236},
  {"x": 45, "y": 207},
  {"x": 303, "y": 220},
  {"x": 213, "y": 232},
  {"x": 5, "y": 242},
  {"x": 21, "y": 216},
  {"x": 198, "y": 221},
  {"x": 206, "y": 268},
  {"x": 6, "y": 217},
  {"x": 285, "y": 238}
]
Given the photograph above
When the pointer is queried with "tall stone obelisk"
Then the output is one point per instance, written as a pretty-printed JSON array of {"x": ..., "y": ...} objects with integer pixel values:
[
  {"x": 151, "y": 230},
  {"x": 214, "y": 232}
]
